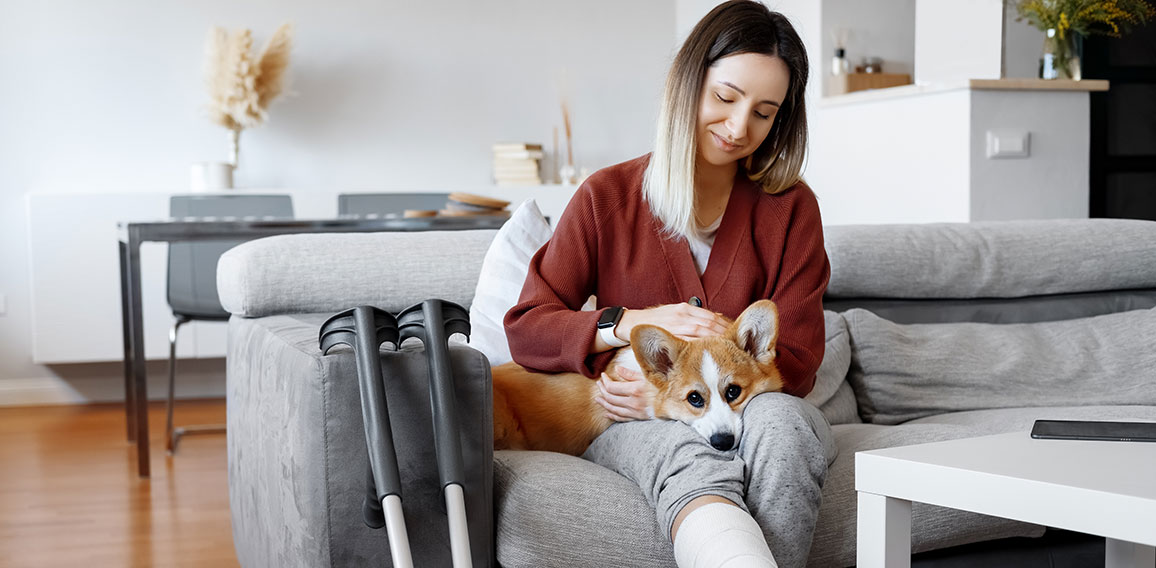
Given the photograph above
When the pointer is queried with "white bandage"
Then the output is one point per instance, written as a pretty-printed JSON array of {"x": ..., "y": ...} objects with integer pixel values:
[{"x": 721, "y": 535}]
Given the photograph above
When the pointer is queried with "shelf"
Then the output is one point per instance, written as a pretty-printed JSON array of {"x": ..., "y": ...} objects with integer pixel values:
[
  {"x": 1038, "y": 85},
  {"x": 1087, "y": 85}
]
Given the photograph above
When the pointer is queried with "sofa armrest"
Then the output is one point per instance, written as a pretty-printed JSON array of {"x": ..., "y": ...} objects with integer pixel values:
[
  {"x": 330, "y": 272},
  {"x": 297, "y": 453}
]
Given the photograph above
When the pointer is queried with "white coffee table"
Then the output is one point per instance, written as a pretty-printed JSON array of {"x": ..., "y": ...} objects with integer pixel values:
[{"x": 1102, "y": 488}]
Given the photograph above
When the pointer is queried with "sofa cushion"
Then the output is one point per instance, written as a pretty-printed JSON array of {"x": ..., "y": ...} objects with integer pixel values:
[
  {"x": 558, "y": 510},
  {"x": 903, "y": 372},
  {"x": 832, "y": 395},
  {"x": 327, "y": 273},
  {"x": 998, "y": 259}
]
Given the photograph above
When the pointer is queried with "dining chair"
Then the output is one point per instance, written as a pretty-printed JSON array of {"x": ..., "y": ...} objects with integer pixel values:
[
  {"x": 192, "y": 276},
  {"x": 387, "y": 204}
]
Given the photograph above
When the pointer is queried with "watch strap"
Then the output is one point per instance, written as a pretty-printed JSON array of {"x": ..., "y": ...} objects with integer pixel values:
[{"x": 608, "y": 337}]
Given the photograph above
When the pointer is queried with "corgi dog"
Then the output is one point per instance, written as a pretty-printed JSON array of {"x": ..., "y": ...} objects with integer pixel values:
[{"x": 704, "y": 383}]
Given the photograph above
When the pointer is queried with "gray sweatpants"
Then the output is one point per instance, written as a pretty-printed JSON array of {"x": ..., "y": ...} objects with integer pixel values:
[{"x": 776, "y": 473}]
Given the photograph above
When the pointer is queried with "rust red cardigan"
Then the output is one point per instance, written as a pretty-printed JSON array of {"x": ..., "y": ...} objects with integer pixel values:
[{"x": 608, "y": 244}]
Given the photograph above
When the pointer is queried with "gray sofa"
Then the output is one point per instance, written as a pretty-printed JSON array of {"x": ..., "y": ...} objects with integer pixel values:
[{"x": 1065, "y": 330}]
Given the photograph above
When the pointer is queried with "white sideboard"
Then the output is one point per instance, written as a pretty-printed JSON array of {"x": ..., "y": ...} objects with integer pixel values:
[{"x": 75, "y": 278}]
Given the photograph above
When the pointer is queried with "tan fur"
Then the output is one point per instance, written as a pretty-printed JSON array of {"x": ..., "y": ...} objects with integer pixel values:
[{"x": 557, "y": 412}]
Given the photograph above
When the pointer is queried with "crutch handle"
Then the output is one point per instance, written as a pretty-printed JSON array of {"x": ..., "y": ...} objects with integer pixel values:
[
  {"x": 365, "y": 328},
  {"x": 434, "y": 321}
]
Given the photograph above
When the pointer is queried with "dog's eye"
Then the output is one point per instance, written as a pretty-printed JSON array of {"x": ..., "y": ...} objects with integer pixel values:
[
  {"x": 695, "y": 399},
  {"x": 733, "y": 392}
]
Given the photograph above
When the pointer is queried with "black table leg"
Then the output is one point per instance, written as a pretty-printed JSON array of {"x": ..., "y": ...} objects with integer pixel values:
[
  {"x": 136, "y": 359},
  {"x": 126, "y": 330}
]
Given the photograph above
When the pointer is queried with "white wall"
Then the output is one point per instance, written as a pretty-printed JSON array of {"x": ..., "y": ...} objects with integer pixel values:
[
  {"x": 390, "y": 95},
  {"x": 958, "y": 40},
  {"x": 1022, "y": 46},
  {"x": 875, "y": 28}
]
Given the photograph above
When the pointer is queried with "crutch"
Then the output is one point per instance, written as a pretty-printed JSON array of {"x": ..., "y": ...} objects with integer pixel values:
[
  {"x": 365, "y": 328},
  {"x": 433, "y": 322}
]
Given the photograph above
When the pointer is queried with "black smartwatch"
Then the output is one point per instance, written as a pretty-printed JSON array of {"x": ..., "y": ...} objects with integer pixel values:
[{"x": 610, "y": 317}]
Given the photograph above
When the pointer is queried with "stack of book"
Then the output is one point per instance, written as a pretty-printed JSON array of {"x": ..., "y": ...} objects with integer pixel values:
[
  {"x": 517, "y": 163},
  {"x": 469, "y": 205}
]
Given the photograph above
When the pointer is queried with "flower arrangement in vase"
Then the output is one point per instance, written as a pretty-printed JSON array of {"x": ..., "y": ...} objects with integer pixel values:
[
  {"x": 242, "y": 85},
  {"x": 1065, "y": 22}
]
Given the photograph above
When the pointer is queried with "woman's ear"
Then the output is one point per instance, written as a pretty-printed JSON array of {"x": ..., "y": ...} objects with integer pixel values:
[
  {"x": 655, "y": 349},
  {"x": 757, "y": 330}
]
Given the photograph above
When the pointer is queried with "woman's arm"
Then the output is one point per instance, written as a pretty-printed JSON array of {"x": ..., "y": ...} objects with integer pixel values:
[
  {"x": 803, "y": 275},
  {"x": 545, "y": 329}
]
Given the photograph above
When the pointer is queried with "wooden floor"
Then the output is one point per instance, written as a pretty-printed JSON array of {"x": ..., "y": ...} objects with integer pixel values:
[{"x": 70, "y": 495}]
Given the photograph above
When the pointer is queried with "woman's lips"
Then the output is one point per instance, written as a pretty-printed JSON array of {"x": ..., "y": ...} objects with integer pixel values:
[{"x": 723, "y": 144}]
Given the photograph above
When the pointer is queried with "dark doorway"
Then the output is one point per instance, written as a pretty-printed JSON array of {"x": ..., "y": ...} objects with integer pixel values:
[{"x": 1123, "y": 127}]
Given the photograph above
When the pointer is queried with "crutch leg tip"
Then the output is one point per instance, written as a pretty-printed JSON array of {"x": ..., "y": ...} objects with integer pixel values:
[{"x": 373, "y": 515}]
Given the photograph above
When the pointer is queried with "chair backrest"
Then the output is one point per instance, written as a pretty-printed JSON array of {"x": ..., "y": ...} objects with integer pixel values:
[
  {"x": 192, "y": 278},
  {"x": 382, "y": 204}
]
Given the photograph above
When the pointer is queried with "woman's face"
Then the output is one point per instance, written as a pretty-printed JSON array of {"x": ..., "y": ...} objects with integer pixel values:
[{"x": 740, "y": 98}]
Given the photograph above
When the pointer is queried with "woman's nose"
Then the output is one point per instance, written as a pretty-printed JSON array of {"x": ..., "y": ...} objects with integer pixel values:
[{"x": 736, "y": 125}]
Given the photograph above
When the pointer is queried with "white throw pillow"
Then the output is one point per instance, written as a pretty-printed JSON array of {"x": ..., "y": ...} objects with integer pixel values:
[{"x": 500, "y": 282}]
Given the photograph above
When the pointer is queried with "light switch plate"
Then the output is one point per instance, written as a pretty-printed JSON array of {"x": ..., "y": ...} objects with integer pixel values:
[
  {"x": 1008, "y": 144},
  {"x": 3, "y": 305}
]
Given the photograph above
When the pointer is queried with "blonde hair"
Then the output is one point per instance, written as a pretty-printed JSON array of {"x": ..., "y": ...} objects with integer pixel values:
[{"x": 738, "y": 26}]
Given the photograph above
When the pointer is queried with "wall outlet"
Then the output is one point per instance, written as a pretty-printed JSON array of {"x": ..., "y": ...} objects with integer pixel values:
[{"x": 1008, "y": 144}]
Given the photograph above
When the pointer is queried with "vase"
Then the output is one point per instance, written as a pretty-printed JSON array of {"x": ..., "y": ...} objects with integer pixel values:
[
  {"x": 568, "y": 174},
  {"x": 211, "y": 176},
  {"x": 234, "y": 139},
  {"x": 1061, "y": 57}
]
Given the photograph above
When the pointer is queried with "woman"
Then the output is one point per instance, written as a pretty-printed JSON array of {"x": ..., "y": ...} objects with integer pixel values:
[{"x": 713, "y": 220}]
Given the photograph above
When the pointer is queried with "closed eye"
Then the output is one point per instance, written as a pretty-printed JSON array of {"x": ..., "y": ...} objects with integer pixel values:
[{"x": 728, "y": 101}]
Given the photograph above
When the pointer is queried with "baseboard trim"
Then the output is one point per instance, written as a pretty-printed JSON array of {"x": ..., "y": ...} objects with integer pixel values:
[{"x": 45, "y": 391}]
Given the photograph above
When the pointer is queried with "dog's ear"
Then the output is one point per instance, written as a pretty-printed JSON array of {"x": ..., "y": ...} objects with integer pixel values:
[
  {"x": 757, "y": 330},
  {"x": 655, "y": 348}
]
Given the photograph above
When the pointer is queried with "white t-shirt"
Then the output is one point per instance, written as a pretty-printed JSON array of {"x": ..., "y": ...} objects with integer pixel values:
[{"x": 700, "y": 250}]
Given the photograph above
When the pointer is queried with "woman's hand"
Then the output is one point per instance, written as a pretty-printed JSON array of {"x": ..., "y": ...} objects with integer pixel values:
[
  {"x": 631, "y": 397},
  {"x": 682, "y": 320}
]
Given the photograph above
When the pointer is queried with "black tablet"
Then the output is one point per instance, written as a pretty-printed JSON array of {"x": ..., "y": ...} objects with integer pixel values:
[{"x": 1092, "y": 430}]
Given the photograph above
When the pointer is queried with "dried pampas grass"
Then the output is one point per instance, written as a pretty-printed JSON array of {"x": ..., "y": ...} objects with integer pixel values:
[
  {"x": 272, "y": 64},
  {"x": 240, "y": 86}
]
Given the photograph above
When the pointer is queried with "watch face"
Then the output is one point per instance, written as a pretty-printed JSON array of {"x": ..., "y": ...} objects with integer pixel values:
[{"x": 610, "y": 317}]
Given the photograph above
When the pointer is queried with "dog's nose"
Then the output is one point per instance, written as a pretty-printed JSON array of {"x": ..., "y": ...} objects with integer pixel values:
[{"x": 722, "y": 441}]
